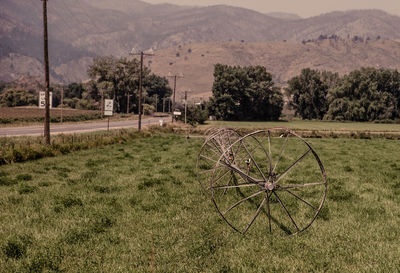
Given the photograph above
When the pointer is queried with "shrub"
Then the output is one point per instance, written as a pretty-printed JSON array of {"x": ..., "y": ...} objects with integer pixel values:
[{"x": 14, "y": 249}]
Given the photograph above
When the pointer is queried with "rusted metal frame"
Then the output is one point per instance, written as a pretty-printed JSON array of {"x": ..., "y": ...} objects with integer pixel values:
[
  {"x": 292, "y": 166},
  {"x": 224, "y": 138},
  {"x": 287, "y": 212}
]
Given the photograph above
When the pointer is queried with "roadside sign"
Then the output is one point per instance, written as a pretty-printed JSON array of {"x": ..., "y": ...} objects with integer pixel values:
[
  {"x": 42, "y": 99},
  {"x": 108, "y": 107},
  {"x": 177, "y": 113}
]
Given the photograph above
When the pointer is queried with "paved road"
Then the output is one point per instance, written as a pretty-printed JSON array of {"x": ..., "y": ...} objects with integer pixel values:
[{"x": 78, "y": 128}]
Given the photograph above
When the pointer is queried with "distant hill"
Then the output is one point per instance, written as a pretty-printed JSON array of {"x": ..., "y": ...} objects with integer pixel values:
[
  {"x": 283, "y": 59},
  {"x": 80, "y": 30},
  {"x": 284, "y": 15}
]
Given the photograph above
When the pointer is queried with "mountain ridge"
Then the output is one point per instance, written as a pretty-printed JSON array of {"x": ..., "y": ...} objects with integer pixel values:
[{"x": 80, "y": 30}]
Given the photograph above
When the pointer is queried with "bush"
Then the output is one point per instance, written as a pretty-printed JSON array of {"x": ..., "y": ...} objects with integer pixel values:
[
  {"x": 194, "y": 115},
  {"x": 244, "y": 93},
  {"x": 148, "y": 109},
  {"x": 14, "y": 249}
]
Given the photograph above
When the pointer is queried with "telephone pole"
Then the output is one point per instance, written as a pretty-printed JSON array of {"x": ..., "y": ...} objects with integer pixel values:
[
  {"x": 62, "y": 103},
  {"x": 185, "y": 105},
  {"x": 142, "y": 54},
  {"x": 127, "y": 103},
  {"x": 173, "y": 99},
  {"x": 163, "y": 105},
  {"x": 46, "y": 73}
]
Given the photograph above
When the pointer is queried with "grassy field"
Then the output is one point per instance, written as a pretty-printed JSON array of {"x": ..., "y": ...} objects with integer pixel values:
[
  {"x": 310, "y": 125},
  {"x": 17, "y": 115},
  {"x": 137, "y": 207}
]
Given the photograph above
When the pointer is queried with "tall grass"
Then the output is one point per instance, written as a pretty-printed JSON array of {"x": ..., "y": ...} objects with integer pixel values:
[
  {"x": 136, "y": 206},
  {"x": 20, "y": 149}
]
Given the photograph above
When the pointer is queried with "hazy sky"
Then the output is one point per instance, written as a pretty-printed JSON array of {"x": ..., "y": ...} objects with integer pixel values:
[{"x": 304, "y": 8}]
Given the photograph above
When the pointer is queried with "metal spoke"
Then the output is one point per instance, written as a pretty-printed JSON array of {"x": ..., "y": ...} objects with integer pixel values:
[
  {"x": 255, "y": 216},
  {"x": 234, "y": 186},
  {"x": 240, "y": 172},
  {"x": 212, "y": 149},
  {"x": 301, "y": 199},
  {"x": 292, "y": 166},
  {"x": 205, "y": 157},
  {"x": 287, "y": 212},
  {"x": 219, "y": 178},
  {"x": 269, "y": 213},
  {"x": 210, "y": 170},
  {"x": 295, "y": 186},
  {"x": 252, "y": 150},
  {"x": 241, "y": 201},
  {"x": 255, "y": 163},
  {"x": 233, "y": 170},
  {"x": 281, "y": 152},
  {"x": 269, "y": 152}
]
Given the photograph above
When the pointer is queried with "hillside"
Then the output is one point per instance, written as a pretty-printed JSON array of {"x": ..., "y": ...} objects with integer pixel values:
[
  {"x": 80, "y": 30},
  {"x": 283, "y": 59}
]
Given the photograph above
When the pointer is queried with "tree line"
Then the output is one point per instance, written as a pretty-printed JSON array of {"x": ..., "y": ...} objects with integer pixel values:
[
  {"x": 367, "y": 94},
  {"x": 244, "y": 93},
  {"x": 111, "y": 78},
  {"x": 248, "y": 93},
  {"x": 238, "y": 93}
]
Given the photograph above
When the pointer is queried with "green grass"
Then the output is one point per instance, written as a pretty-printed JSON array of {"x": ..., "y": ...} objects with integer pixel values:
[
  {"x": 137, "y": 207},
  {"x": 309, "y": 125}
]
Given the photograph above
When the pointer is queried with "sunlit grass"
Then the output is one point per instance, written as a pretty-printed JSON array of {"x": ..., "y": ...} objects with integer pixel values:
[
  {"x": 137, "y": 207},
  {"x": 309, "y": 125}
]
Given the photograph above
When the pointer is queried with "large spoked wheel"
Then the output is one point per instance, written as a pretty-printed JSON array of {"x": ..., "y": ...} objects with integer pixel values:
[
  {"x": 216, "y": 144},
  {"x": 278, "y": 180}
]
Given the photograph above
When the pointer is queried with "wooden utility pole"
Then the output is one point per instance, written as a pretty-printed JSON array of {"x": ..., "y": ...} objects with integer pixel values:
[
  {"x": 141, "y": 53},
  {"x": 62, "y": 103},
  {"x": 173, "y": 98},
  {"x": 47, "y": 77},
  {"x": 185, "y": 105},
  {"x": 156, "y": 103},
  {"x": 140, "y": 91},
  {"x": 102, "y": 103},
  {"x": 127, "y": 103}
]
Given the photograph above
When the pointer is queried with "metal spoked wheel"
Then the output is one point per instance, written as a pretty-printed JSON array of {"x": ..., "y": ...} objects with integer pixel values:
[
  {"x": 217, "y": 142},
  {"x": 278, "y": 181}
]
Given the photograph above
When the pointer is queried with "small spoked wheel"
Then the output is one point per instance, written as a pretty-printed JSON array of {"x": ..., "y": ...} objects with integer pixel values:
[
  {"x": 279, "y": 181},
  {"x": 217, "y": 143}
]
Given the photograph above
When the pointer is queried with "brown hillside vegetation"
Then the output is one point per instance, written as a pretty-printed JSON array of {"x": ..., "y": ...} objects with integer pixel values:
[
  {"x": 81, "y": 30},
  {"x": 283, "y": 59}
]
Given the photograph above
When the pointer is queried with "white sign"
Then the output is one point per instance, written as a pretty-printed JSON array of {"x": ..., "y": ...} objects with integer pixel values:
[
  {"x": 176, "y": 113},
  {"x": 108, "y": 107},
  {"x": 42, "y": 99}
]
